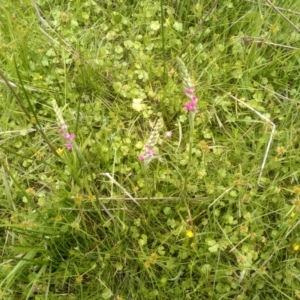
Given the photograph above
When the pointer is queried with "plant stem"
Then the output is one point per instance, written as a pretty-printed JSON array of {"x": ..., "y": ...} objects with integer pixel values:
[{"x": 191, "y": 139}]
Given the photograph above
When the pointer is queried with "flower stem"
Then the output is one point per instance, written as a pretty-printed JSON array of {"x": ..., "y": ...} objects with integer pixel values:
[{"x": 191, "y": 121}]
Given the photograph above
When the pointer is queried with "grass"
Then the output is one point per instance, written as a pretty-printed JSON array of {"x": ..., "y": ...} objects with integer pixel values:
[{"x": 190, "y": 221}]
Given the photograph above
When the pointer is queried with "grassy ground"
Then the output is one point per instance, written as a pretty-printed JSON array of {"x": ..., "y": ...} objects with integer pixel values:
[{"x": 195, "y": 214}]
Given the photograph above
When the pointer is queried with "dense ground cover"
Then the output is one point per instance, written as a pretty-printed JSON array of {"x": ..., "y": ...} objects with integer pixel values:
[{"x": 87, "y": 211}]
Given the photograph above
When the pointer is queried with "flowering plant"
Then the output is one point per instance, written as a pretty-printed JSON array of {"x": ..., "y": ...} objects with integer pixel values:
[
  {"x": 189, "y": 91},
  {"x": 69, "y": 137}
]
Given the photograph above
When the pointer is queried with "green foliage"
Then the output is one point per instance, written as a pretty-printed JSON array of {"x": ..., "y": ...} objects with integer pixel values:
[{"x": 94, "y": 222}]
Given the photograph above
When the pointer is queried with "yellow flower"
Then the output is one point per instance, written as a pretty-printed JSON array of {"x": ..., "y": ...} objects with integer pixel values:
[
  {"x": 39, "y": 154},
  {"x": 92, "y": 198},
  {"x": 59, "y": 151},
  {"x": 237, "y": 182},
  {"x": 296, "y": 190},
  {"x": 76, "y": 225},
  {"x": 58, "y": 218},
  {"x": 262, "y": 270},
  {"x": 246, "y": 198},
  {"x": 241, "y": 259},
  {"x": 64, "y": 17},
  {"x": 30, "y": 191},
  {"x": 189, "y": 233},
  {"x": 79, "y": 278},
  {"x": 26, "y": 224},
  {"x": 244, "y": 229},
  {"x": 296, "y": 247},
  {"x": 274, "y": 28},
  {"x": 296, "y": 202},
  {"x": 204, "y": 147},
  {"x": 14, "y": 219},
  {"x": 280, "y": 150},
  {"x": 153, "y": 258},
  {"x": 78, "y": 200}
]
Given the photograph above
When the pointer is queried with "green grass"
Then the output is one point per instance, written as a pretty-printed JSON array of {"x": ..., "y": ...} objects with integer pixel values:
[{"x": 95, "y": 222}]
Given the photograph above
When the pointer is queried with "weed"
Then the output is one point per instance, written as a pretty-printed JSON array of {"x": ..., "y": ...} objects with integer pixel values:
[{"x": 113, "y": 207}]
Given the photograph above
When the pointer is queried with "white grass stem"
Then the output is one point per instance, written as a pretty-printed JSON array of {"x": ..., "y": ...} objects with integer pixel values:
[
  {"x": 180, "y": 135},
  {"x": 151, "y": 198},
  {"x": 271, "y": 135},
  {"x": 279, "y": 8},
  {"x": 15, "y": 85},
  {"x": 120, "y": 186},
  {"x": 44, "y": 25},
  {"x": 221, "y": 196},
  {"x": 277, "y": 94},
  {"x": 283, "y": 16},
  {"x": 262, "y": 41}
]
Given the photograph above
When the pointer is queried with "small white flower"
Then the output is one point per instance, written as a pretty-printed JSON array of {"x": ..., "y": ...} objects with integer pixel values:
[{"x": 169, "y": 134}]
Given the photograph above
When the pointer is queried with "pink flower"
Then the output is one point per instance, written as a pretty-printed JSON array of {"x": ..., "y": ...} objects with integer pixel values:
[
  {"x": 63, "y": 128},
  {"x": 189, "y": 91},
  {"x": 169, "y": 134},
  {"x": 69, "y": 145},
  {"x": 149, "y": 152},
  {"x": 68, "y": 136},
  {"x": 71, "y": 136},
  {"x": 190, "y": 106}
]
